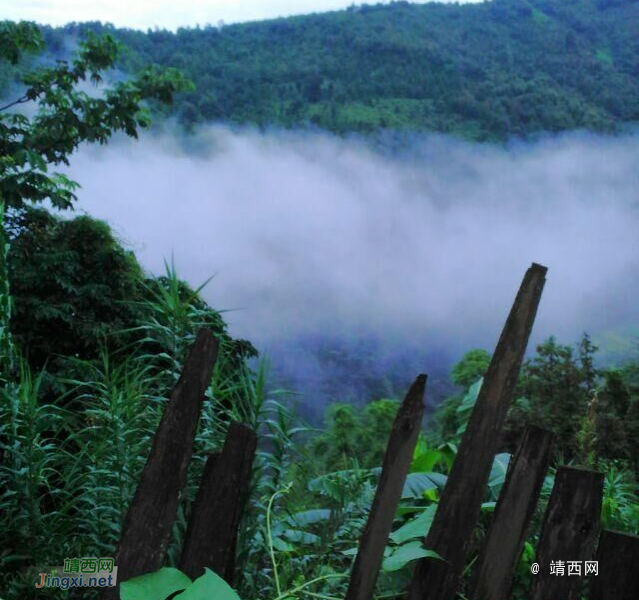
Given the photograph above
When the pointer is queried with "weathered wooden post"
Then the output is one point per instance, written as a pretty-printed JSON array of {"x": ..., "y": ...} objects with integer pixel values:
[
  {"x": 568, "y": 534},
  {"x": 460, "y": 504},
  {"x": 618, "y": 567},
  {"x": 515, "y": 507},
  {"x": 212, "y": 530},
  {"x": 149, "y": 521},
  {"x": 397, "y": 459}
]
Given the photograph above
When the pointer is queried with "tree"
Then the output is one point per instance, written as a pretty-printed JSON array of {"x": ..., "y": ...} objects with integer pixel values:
[
  {"x": 72, "y": 284},
  {"x": 470, "y": 368},
  {"x": 611, "y": 410},
  {"x": 555, "y": 391},
  {"x": 448, "y": 418},
  {"x": 354, "y": 433},
  {"x": 66, "y": 115}
]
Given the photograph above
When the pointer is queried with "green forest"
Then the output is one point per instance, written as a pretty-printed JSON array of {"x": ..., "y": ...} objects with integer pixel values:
[
  {"x": 91, "y": 345},
  {"x": 483, "y": 71}
]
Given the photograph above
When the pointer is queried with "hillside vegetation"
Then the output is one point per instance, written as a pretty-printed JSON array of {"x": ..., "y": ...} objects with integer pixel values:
[
  {"x": 91, "y": 345},
  {"x": 483, "y": 71}
]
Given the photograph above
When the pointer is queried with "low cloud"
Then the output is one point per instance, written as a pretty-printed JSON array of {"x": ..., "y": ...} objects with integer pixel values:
[{"x": 422, "y": 246}]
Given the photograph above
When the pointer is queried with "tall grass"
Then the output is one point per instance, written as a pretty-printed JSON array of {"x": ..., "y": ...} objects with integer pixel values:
[
  {"x": 70, "y": 468},
  {"x": 33, "y": 494},
  {"x": 7, "y": 350}
]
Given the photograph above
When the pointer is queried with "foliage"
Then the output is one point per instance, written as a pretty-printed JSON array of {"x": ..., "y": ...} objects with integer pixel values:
[
  {"x": 354, "y": 434},
  {"x": 620, "y": 509},
  {"x": 472, "y": 366},
  {"x": 103, "y": 343},
  {"x": 453, "y": 413},
  {"x": 29, "y": 472},
  {"x": 484, "y": 70},
  {"x": 592, "y": 412},
  {"x": 165, "y": 582},
  {"x": 71, "y": 462},
  {"x": 72, "y": 284},
  {"x": 70, "y": 473},
  {"x": 7, "y": 350},
  {"x": 65, "y": 115}
]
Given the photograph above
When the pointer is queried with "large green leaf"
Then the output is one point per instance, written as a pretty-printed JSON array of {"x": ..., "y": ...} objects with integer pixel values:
[
  {"x": 415, "y": 528},
  {"x": 418, "y": 483},
  {"x": 468, "y": 403},
  {"x": 426, "y": 461},
  {"x": 282, "y": 546},
  {"x": 208, "y": 587},
  {"x": 154, "y": 586},
  {"x": 309, "y": 517},
  {"x": 498, "y": 474},
  {"x": 301, "y": 537},
  {"x": 448, "y": 452},
  {"x": 405, "y": 554}
]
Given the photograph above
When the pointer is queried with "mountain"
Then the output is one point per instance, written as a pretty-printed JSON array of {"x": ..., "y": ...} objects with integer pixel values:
[{"x": 483, "y": 71}]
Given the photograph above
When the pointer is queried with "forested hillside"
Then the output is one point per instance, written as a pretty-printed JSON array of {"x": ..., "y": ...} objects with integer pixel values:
[
  {"x": 93, "y": 349},
  {"x": 480, "y": 70}
]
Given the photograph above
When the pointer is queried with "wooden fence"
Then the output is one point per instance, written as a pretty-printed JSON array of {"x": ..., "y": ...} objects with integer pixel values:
[{"x": 570, "y": 530}]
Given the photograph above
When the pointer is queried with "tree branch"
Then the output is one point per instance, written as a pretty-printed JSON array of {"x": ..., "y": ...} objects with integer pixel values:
[{"x": 18, "y": 101}]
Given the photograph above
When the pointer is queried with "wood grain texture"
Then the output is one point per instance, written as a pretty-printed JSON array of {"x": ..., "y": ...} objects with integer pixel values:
[
  {"x": 451, "y": 532},
  {"x": 210, "y": 539},
  {"x": 149, "y": 521},
  {"x": 618, "y": 566},
  {"x": 498, "y": 559},
  {"x": 569, "y": 532},
  {"x": 397, "y": 460}
]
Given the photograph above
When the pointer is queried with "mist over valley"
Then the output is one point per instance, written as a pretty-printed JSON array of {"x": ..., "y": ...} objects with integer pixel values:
[{"x": 355, "y": 266}]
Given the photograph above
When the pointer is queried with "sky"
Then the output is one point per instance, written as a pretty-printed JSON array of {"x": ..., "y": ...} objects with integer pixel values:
[{"x": 169, "y": 14}]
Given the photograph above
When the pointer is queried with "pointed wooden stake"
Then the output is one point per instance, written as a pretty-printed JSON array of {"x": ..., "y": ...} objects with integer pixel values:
[
  {"x": 397, "y": 459},
  {"x": 460, "y": 504},
  {"x": 148, "y": 524},
  {"x": 617, "y": 573},
  {"x": 568, "y": 534},
  {"x": 516, "y": 505},
  {"x": 212, "y": 531}
]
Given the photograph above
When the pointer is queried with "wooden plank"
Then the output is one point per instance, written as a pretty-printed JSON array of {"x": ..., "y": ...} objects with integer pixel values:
[
  {"x": 397, "y": 459},
  {"x": 498, "y": 559},
  {"x": 211, "y": 534},
  {"x": 617, "y": 559},
  {"x": 569, "y": 533},
  {"x": 149, "y": 521},
  {"x": 451, "y": 532}
]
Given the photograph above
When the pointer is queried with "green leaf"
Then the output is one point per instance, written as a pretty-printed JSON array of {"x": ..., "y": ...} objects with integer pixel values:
[
  {"x": 467, "y": 404},
  {"x": 426, "y": 461},
  {"x": 418, "y": 483},
  {"x": 301, "y": 537},
  {"x": 308, "y": 517},
  {"x": 282, "y": 546},
  {"x": 415, "y": 528},
  {"x": 208, "y": 587},
  {"x": 407, "y": 553},
  {"x": 498, "y": 474},
  {"x": 154, "y": 586}
]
